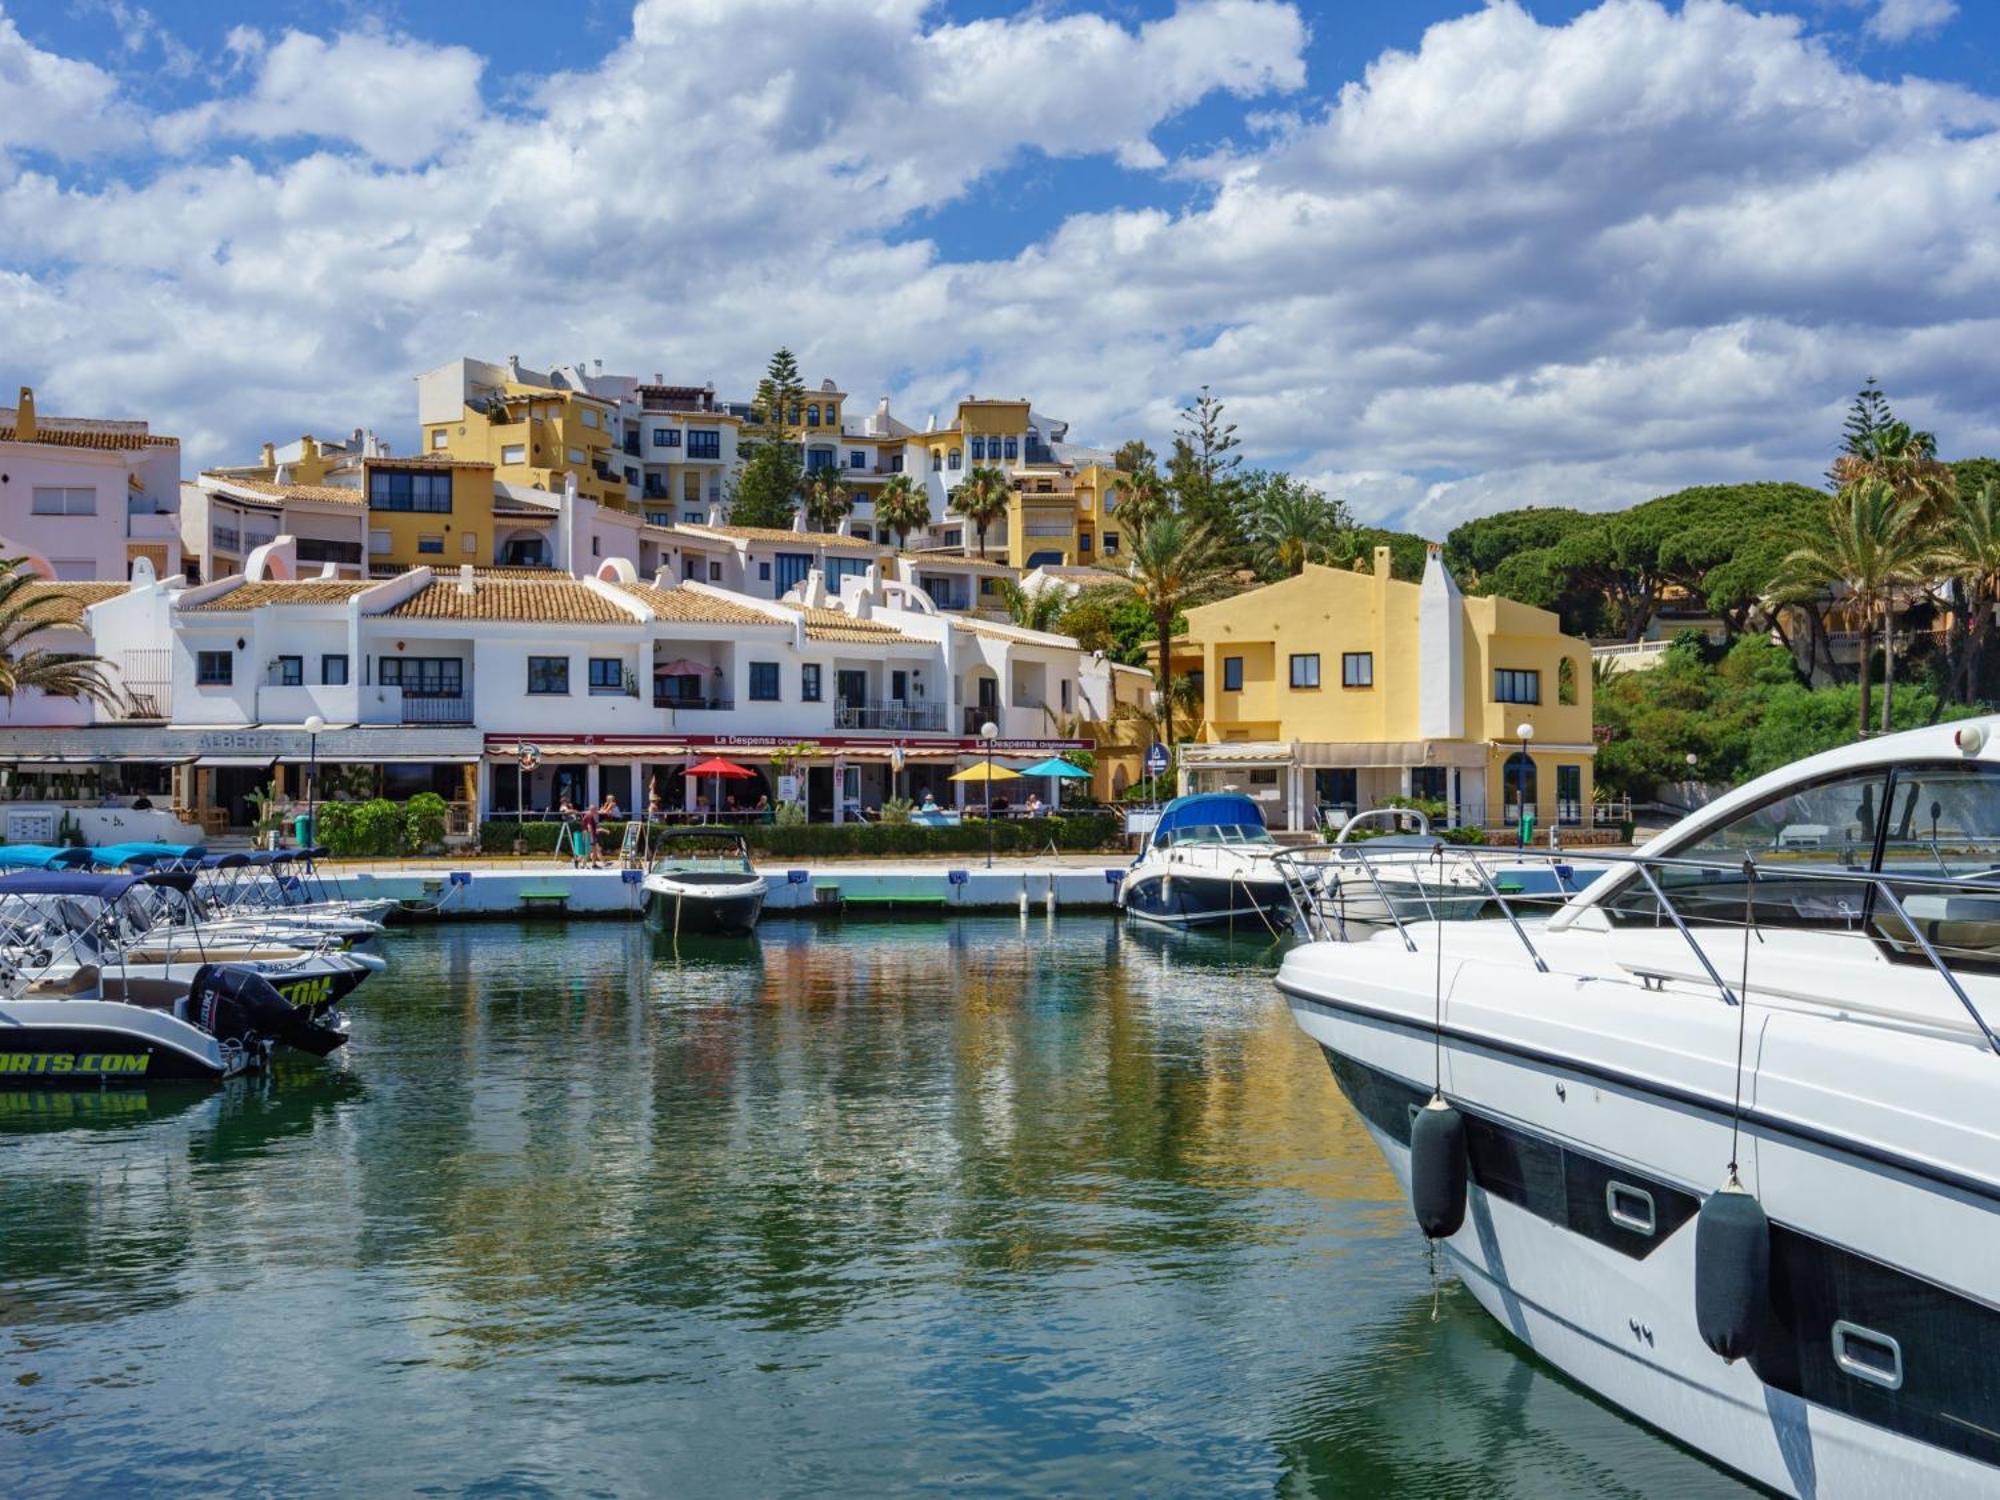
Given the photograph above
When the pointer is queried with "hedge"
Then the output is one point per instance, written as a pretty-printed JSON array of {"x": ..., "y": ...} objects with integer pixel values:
[{"x": 1077, "y": 831}]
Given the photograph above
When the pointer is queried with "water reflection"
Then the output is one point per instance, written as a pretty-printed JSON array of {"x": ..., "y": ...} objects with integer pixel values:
[{"x": 1012, "y": 1205}]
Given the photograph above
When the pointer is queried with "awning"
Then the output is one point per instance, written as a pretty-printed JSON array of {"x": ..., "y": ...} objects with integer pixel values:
[
  {"x": 1336, "y": 754},
  {"x": 553, "y": 753},
  {"x": 239, "y": 762},
  {"x": 63, "y": 762}
]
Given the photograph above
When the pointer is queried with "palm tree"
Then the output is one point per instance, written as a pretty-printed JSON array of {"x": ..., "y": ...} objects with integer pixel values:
[
  {"x": 982, "y": 498},
  {"x": 1175, "y": 564},
  {"x": 26, "y": 611},
  {"x": 1969, "y": 549},
  {"x": 1142, "y": 499},
  {"x": 1904, "y": 459},
  {"x": 1869, "y": 543},
  {"x": 902, "y": 508},
  {"x": 1291, "y": 525},
  {"x": 827, "y": 498},
  {"x": 1040, "y": 610}
]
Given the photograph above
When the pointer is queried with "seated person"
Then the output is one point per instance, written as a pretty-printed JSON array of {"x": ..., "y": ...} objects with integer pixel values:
[{"x": 929, "y": 804}]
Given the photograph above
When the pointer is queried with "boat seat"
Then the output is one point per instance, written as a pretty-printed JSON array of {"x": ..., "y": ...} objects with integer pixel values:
[{"x": 80, "y": 981}]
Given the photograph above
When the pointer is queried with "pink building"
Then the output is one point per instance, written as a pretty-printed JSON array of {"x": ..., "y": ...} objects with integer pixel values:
[{"x": 82, "y": 498}]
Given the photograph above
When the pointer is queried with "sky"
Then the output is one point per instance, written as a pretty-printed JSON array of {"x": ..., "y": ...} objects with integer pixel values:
[{"x": 1439, "y": 258}]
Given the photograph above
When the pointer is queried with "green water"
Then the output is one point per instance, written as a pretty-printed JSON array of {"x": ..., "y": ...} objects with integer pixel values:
[{"x": 980, "y": 1205}]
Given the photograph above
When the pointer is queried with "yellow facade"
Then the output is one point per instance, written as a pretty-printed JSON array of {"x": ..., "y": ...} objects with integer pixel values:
[
  {"x": 1064, "y": 518},
  {"x": 1333, "y": 663},
  {"x": 404, "y": 530},
  {"x": 537, "y": 436}
]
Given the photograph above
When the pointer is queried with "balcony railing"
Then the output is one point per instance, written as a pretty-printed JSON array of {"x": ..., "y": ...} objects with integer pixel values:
[
  {"x": 693, "y": 703},
  {"x": 437, "y": 709},
  {"x": 876, "y": 713}
]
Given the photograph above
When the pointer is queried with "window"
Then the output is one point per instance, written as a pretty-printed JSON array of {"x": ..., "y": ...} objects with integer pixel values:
[
  {"x": 692, "y": 517},
  {"x": 1432, "y": 783},
  {"x": 214, "y": 668},
  {"x": 763, "y": 572},
  {"x": 1110, "y": 544},
  {"x": 817, "y": 459},
  {"x": 1305, "y": 669},
  {"x": 1565, "y": 681},
  {"x": 666, "y": 437},
  {"x": 1232, "y": 674},
  {"x": 1513, "y": 685},
  {"x": 937, "y": 458},
  {"x": 378, "y": 542},
  {"x": 405, "y": 489},
  {"x": 953, "y": 463},
  {"x": 812, "y": 415},
  {"x": 333, "y": 670},
  {"x": 809, "y": 681},
  {"x": 433, "y": 545},
  {"x": 423, "y": 676},
  {"x": 856, "y": 459},
  {"x": 589, "y": 417},
  {"x": 1357, "y": 669},
  {"x": 440, "y": 438},
  {"x": 979, "y": 450},
  {"x": 596, "y": 546},
  {"x": 1065, "y": 695},
  {"x": 1083, "y": 541},
  {"x": 514, "y": 453},
  {"x": 607, "y": 675},
  {"x": 468, "y": 542},
  {"x": 315, "y": 549},
  {"x": 291, "y": 671},
  {"x": 576, "y": 455},
  {"x": 896, "y": 464},
  {"x": 1013, "y": 447},
  {"x": 64, "y": 500},
  {"x": 763, "y": 682},
  {"x": 548, "y": 675},
  {"x": 792, "y": 570},
  {"x": 704, "y": 442},
  {"x": 1569, "y": 794},
  {"x": 715, "y": 572}
]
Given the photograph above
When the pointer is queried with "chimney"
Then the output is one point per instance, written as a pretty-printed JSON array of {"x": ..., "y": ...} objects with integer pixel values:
[
  {"x": 465, "y": 585},
  {"x": 799, "y": 519},
  {"x": 24, "y": 416},
  {"x": 658, "y": 378},
  {"x": 597, "y": 366},
  {"x": 269, "y": 457},
  {"x": 1381, "y": 562},
  {"x": 514, "y": 367}
]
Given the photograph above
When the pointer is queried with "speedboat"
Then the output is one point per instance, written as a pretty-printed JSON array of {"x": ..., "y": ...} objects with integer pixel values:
[
  {"x": 704, "y": 881},
  {"x": 65, "y": 1020},
  {"x": 1209, "y": 862},
  {"x": 1401, "y": 874},
  {"x": 1717, "y": 1137}
]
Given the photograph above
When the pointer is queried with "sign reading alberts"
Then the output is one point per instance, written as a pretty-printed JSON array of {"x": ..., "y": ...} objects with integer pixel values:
[{"x": 642, "y": 744}]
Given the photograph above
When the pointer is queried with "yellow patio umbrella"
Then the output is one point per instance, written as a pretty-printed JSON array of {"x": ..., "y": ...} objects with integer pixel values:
[{"x": 984, "y": 772}]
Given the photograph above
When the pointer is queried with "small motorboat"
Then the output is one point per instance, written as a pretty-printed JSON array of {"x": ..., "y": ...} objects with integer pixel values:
[
  {"x": 704, "y": 881},
  {"x": 1402, "y": 874},
  {"x": 1209, "y": 862}
]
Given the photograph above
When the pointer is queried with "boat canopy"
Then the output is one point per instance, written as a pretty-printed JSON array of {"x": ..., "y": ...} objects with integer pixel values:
[
  {"x": 1208, "y": 810},
  {"x": 91, "y": 886},
  {"x": 110, "y": 856},
  {"x": 43, "y": 856}
]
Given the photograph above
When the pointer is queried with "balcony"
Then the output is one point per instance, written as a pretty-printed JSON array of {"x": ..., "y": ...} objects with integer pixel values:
[
  {"x": 693, "y": 704},
  {"x": 876, "y": 713},
  {"x": 429, "y": 708}
]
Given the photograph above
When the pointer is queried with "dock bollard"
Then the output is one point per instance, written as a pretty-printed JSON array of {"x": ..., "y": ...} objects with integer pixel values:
[
  {"x": 1024, "y": 893},
  {"x": 1050, "y": 908}
]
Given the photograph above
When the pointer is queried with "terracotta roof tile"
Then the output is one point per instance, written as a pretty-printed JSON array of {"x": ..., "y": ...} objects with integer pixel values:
[
  {"x": 247, "y": 596},
  {"x": 88, "y": 437},
  {"x": 63, "y": 603},
  {"x": 694, "y": 607},
  {"x": 525, "y": 601},
  {"x": 838, "y": 625},
  {"x": 282, "y": 492},
  {"x": 808, "y": 539},
  {"x": 426, "y": 461}
]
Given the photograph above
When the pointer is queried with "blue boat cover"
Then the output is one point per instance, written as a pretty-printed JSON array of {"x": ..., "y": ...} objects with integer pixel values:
[
  {"x": 42, "y": 856},
  {"x": 78, "y": 883},
  {"x": 1208, "y": 810},
  {"x": 111, "y": 856}
]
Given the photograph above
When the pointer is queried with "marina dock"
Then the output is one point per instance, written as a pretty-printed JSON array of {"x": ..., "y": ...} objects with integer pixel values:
[{"x": 515, "y": 888}]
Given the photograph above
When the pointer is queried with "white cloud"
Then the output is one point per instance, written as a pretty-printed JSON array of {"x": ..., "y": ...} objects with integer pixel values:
[
  {"x": 53, "y": 103},
  {"x": 1521, "y": 263},
  {"x": 1898, "y": 20},
  {"x": 399, "y": 100}
]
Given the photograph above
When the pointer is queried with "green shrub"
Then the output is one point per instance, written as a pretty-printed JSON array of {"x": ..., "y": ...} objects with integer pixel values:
[
  {"x": 790, "y": 815},
  {"x": 896, "y": 811},
  {"x": 378, "y": 827},
  {"x": 334, "y": 827},
  {"x": 1078, "y": 831},
  {"x": 424, "y": 823}
]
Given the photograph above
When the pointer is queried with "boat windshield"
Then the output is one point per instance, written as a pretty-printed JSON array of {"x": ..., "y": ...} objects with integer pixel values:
[
  {"x": 1918, "y": 822},
  {"x": 1219, "y": 833}
]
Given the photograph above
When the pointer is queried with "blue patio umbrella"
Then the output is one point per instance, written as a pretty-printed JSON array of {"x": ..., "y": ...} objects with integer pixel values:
[{"x": 1055, "y": 765}]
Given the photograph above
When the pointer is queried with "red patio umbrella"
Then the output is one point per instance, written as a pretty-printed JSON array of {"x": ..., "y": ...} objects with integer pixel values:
[{"x": 717, "y": 767}]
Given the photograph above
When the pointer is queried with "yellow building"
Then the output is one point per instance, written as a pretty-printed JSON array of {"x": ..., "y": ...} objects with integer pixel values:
[
  {"x": 535, "y": 431},
  {"x": 432, "y": 510},
  {"x": 1062, "y": 517},
  {"x": 1325, "y": 694}
]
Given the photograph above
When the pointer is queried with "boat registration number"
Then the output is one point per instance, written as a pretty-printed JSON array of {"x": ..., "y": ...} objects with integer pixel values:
[{"x": 86, "y": 1064}]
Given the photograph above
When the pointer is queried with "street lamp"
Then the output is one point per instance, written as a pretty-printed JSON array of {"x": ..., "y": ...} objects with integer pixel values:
[
  {"x": 1691, "y": 757},
  {"x": 989, "y": 731},
  {"x": 314, "y": 724},
  {"x": 1525, "y": 731}
]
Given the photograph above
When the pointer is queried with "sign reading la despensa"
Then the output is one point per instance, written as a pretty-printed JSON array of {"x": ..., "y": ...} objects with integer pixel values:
[{"x": 76, "y": 1064}]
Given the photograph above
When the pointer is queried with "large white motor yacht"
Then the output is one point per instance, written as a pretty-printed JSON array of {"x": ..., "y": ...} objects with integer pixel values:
[{"x": 1720, "y": 1138}]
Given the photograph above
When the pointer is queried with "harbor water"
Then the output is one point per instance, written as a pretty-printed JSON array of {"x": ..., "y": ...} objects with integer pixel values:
[{"x": 983, "y": 1204}]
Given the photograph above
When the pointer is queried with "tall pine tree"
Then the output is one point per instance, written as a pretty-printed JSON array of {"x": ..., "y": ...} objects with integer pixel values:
[
  {"x": 1203, "y": 474},
  {"x": 767, "y": 491}
]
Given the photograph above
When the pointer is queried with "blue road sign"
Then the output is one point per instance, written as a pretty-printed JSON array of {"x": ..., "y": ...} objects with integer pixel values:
[{"x": 1157, "y": 759}]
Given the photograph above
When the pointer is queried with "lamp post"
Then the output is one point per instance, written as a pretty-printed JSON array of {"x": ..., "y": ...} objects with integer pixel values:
[
  {"x": 989, "y": 731},
  {"x": 1691, "y": 758},
  {"x": 314, "y": 724},
  {"x": 1526, "y": 731}
]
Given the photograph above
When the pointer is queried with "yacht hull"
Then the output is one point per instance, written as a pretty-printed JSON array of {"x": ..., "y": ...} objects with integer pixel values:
[
  {"x": 1180, "y": 898},
  {"x": 105, "y": 1043},
  {"x": 719, "y": 908},
  {"x": 1557, "y": 1146}
]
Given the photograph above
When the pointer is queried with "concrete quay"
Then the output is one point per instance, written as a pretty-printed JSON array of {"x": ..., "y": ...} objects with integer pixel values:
[{"x": 455, "y": 890}]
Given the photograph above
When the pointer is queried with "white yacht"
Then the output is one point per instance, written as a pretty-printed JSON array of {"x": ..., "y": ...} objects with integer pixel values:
[
  {"x": 1719, "y": 1137},
  {"x": 1209, "y": 862},
  {"x": 1403, "y": 872}
]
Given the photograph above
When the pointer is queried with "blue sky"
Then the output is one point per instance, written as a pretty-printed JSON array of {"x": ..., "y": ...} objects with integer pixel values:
[{"x": 1439, "y": 257}]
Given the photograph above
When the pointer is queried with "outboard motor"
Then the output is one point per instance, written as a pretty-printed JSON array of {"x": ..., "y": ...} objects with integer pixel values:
[{"x": 235, "y": 1004}]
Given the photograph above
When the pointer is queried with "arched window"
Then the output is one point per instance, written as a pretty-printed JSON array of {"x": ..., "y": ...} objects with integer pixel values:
[
  {"x": 1566, "y": 681},
  {"x": 955, "y": 458},
  {"x": 812, "y": 415},
  {"x": 1518, "y": 785}
]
